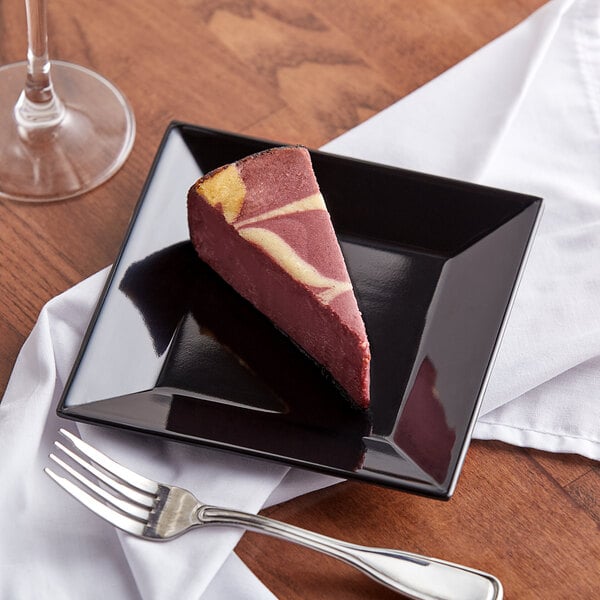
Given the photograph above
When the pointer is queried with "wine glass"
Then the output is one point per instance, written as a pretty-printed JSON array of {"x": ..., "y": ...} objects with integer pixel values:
[{"x": 63, "y": 128}]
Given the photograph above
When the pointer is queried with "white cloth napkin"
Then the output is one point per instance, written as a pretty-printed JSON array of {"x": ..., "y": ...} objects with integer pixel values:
[{"x": 522, "y": 113}]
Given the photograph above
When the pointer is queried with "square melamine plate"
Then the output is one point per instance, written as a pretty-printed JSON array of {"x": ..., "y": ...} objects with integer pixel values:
[{"x": 172, "y": 350}]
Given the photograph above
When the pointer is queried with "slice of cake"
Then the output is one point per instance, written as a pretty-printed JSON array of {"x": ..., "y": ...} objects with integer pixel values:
[{"x": 262, "y": 224}]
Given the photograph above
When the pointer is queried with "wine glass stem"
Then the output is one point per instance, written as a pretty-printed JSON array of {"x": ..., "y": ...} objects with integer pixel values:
[{"x": 38, "y": 106}]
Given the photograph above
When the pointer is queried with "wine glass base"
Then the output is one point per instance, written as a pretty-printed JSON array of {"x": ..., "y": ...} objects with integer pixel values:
[{"x": 86, "y": 148}]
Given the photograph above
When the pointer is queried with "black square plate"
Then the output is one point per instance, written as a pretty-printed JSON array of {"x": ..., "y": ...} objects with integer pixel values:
[{"x": 172, "y": 350}]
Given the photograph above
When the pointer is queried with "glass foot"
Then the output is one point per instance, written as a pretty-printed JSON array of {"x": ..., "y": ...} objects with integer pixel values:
[{"x": 89, "y": 144}]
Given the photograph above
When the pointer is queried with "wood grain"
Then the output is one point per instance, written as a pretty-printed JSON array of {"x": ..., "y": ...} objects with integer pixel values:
[{"x": 304, "y": 72}]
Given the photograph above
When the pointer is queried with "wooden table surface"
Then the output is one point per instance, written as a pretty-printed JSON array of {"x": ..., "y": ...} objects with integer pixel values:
[{"x": 299, "y": 71}]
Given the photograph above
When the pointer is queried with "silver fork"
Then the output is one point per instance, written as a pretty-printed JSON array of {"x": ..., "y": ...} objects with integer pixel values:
[{"x": 156, "y": 511}]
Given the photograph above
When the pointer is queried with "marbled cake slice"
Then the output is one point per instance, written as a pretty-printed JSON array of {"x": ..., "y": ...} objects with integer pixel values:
[{"x": 262, "y": 224}]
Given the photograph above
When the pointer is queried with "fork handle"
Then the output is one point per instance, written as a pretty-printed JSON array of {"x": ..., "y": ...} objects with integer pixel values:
[{"x": 417, "y": 577}]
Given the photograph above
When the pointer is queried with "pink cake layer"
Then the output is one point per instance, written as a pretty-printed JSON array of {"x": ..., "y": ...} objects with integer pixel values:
[{"x": 331, "y": 331}]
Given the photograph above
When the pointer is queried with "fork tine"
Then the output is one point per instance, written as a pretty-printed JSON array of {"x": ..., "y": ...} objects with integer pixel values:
[
  {"x": 133, "y": 510},
  {"x": 142, "y": 483},
  {"x": 102, "y": 510},
  {"x": 129, "y": 492}
]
